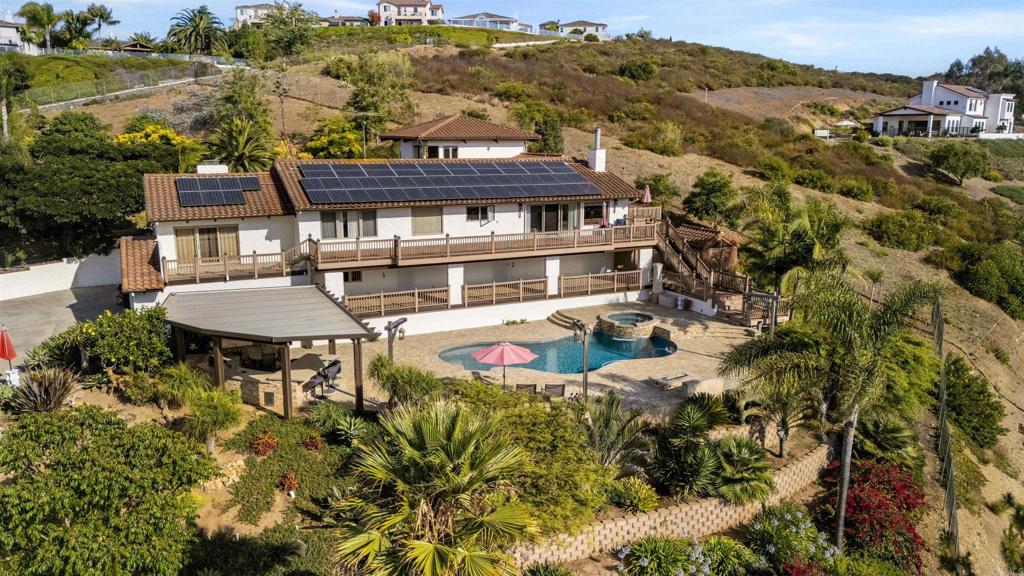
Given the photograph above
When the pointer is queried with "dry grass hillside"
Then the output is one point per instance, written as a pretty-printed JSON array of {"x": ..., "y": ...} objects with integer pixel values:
[{"x": 799, "y": 104}]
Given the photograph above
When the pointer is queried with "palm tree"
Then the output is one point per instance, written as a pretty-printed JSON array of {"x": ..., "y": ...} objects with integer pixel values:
[
  {"x": 402, "y": 382},
  {"x": 12, "y": 76},
  {"x": 435, "y": 496},
  {"x": 197, "y": 31},
  {"x": 618, "y": 436},
  {"x": 44, "y": 390},
  {"x": 213, "y": 411},
  {"x": 874, "y": 276},
  {"x": 685, "y": 461},
  {"x": 181, "y": 383},
  {"x": 101, "y": 15},
  {"x": 887, "y": 438},
  {"x": 42, "y": 17},
  {"x": 75, "y": 32},
  {"x": 144, "y": 38},
  {"x": 745, "y": 475},
  {"x": 783, "y": 401},
  {"x": 243, "y": 146}
]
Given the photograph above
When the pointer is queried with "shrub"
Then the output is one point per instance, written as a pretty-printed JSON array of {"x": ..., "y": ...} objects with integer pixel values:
[
  {"x": 857, "y": 188},
  {"x": 993, "y": 176},
  {"x": 591, "y": 38},
  {"x": 138, "y": 389},
  {"x": 663, "y": 190},
  {"x": 972, "y": 403},
  {"x": 815, "y": 179},
  {"x": 180, "y": 383},
  {"x": 131, "y": 340},
  {"x": 728, "y": 557},
  {"x": 665, "y": 138},
  {"x": 547, "y": 569},
  {"x": 712, "y": 197},
  {"x": 634, "y": 111},
  {"x": 263, "y": 444},
  {"x": 942, "y": 209},
  {"x": 906, "y": 230},
  {"x": 632, "y": 494},
  {"x": 994, "y": 272},
  {"x": 773, "y": 168},
  {"x": 883, "y": 141},
  {"x": 638, "y": 70},
  {"x": 326, "y": 416},
  {"x": 663, "y": 556},
  {"x": 866, "y": 566},
  {"x": 784, "y": 533},
  {"x": 514, "y": 91},
  {"x": 960, "y": 159}
]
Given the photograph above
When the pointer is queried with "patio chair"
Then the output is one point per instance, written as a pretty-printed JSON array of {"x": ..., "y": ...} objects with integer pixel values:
[
  {"x": 331, "y": 371},
  {"x": 552, "y": 391},
  {"x": 531, "y": 388},
  {"x": 317, "y": 380}
]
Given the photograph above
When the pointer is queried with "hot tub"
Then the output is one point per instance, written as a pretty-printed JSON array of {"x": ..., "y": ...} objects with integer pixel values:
[{"x": 627, "y": 324}]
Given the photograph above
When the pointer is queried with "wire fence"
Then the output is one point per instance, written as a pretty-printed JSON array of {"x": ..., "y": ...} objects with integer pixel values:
[
  {"x": 32, "y": 50},
  {"x": 320, "y": 90},
  {"x": 947, "y": 475},
  {"x": 119, "y": 81}
]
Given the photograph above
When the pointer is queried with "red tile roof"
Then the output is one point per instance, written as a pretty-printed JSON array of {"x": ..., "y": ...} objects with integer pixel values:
[
  {"x": 459, "y": 127},
  {"x": 162, "y": 200},
  {"x": 140, "y": 265},
  {"x": 700, "y": 236}
]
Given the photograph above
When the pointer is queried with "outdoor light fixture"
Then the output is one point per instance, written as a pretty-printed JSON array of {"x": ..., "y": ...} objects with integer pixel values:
[
  {"x": 394, "y": 327},
  {"x": 401, "y": 333},
  {"x": 581, "y": 331}
]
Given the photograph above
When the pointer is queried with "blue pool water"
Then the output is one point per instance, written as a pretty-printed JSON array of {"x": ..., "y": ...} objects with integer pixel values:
[
  {"x": 630, "y": 318},
  {"x": 564, "y": 356}
]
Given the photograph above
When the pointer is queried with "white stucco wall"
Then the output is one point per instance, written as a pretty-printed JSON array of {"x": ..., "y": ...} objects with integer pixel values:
[
  {"x": 264, "y": 235},
  {"x": 469, "y": 149},
  {"x": 97, "y": 270}
]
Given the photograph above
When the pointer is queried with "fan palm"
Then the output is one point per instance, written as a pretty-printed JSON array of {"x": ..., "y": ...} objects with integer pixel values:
[
  {"x": 618, "y": 436},
  {"x": 744, "y": 474},
  {"x": 197, "y": 31},
  {"x": 212, "y": 412},
  {"x": 44, "y": 390},
  {"x": 685, "y": 461},
  {"x": 436, "y": 496},
  {"x": 243, "y": 146},
  {"x": 41, "y": 17},
  {"x": 887, "y": 438},
  {"x": 784, "y": 401},
  {"x": 101, "y": 15}
]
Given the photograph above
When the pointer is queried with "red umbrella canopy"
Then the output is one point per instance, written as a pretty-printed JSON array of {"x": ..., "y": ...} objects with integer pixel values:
[
  {"x": 503, "y": 354},
  {"x": 647, "y": 195},
  {"x": 6, "y": 346}
]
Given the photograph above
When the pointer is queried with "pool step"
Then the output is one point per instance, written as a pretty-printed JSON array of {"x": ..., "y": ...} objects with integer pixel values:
[{"x": 561, "y": 320}]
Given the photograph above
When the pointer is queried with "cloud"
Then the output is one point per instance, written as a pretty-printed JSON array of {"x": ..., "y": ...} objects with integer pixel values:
[
  {"x": 988, "y": 23},
  {"x": 807, "y": 35}
]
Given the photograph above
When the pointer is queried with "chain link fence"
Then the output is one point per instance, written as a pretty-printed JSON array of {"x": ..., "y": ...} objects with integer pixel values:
[
  {"x": 119, "y": 81},
  {"x": 320, "y": 90},
  {"x": 947, "y": 475}
]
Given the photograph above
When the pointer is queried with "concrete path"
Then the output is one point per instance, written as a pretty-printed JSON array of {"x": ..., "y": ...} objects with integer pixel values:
[{"x": 35, "y": 318}]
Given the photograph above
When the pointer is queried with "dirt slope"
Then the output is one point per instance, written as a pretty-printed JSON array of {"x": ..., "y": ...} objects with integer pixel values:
[{"x": 788, "y": 102}]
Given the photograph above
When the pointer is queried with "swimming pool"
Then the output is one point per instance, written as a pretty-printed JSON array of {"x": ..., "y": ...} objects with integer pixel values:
[{"x": 565, "y": 356}]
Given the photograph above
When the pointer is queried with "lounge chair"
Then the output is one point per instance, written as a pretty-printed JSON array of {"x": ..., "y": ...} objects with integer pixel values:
[
  {"x": 531, "y": 388},
  {"x": 670, "y": 381},
  {"x": 552, "y": 391}
]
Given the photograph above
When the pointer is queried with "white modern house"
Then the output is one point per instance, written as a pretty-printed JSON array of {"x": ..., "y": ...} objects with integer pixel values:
[
  {"x": 950, "y": 110},
  {"x": 10, "y": 38},
  {"x": 409, "y": 12},
  {"x": 431, "y": 238},
  {"x": 251, "y": 14},
  {"x": 583, "y": 27},
  {"x": 492, "y": 21},
  {"x": 460, "y": 137}
]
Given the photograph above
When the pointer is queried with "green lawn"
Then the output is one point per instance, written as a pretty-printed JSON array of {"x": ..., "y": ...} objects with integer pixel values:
[
  {"x": 1014, "y": 193},
  {"x": 388, "y": 36},
  {"x": 59, "y": 70}
]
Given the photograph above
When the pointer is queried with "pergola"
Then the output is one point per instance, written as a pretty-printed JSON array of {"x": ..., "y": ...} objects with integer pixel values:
[{"x": 275, "y": 316}]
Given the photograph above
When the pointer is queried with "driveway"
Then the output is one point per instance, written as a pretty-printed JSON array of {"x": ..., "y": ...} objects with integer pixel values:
[{"x": 35, "y": 318}]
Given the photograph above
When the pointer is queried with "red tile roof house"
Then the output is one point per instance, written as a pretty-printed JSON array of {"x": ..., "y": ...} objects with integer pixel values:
[
  {"x": 409, "y": 12},
  {"x": 432, "y": 237}
]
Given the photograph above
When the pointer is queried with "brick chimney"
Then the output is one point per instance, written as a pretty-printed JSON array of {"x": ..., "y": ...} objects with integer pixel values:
[{"x": 596, "y": 160}]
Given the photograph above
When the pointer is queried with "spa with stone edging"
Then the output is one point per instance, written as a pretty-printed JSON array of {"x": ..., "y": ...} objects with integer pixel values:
[{"x": 627, "y": 324}]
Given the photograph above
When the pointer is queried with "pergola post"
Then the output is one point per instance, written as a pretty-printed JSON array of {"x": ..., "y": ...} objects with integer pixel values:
[
  {"x": 286, "y": 377},
  {"x": 357, "y": 366},
  {"x": 218, "y": 363},
  {"x": 332, "y": 347},
  {"x": 179, "y": 343}
]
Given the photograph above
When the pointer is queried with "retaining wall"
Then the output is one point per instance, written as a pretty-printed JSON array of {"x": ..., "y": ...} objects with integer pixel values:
[
  {"x": 693, "y": 519},
  {"x": 98, "y": 270}
]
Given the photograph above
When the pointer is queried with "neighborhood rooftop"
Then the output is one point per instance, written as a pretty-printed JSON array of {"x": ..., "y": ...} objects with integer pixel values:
[
  {"x": 581, "y": 24},
  {"x": 487, "y": 16},
  {"x": 459, "y": 127}
]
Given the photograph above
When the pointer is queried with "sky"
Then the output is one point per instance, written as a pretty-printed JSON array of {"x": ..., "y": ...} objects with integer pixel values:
[{"x": 913, "y": 37}]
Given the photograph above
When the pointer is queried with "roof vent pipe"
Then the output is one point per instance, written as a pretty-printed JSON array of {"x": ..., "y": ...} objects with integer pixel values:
[{"x": 597, "y": 158}]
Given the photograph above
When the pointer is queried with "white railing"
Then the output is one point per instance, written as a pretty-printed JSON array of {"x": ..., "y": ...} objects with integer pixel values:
[
  {"x": 384, "y": 303},
  {"x": 600, "y": 283},
  {"x": 498, "y": 292}
]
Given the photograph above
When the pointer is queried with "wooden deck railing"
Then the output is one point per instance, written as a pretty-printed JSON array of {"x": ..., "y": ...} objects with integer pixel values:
[
  {"x": 598, "y": 283},
  {"x": 498, "y": 292},
  {"x": 732, "y": 281},
  {"x": 398, "y": 250},
  {"x": 639, "y": 213},
  {"x": 758, "y": 306},
  {"x": 223, "y": 268},
  {"x": 384, "y": 303}
]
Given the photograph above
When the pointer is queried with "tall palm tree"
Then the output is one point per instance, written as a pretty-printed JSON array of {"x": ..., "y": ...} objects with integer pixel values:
[
  {"x": 101, "y": 15},
  {"x": 618, "y": 436},
  {"x": 143, "y": 37},
  {"x": 745, "y": 475},
  {"x": 75, "y": 32},
  {"x": 43, "y": 390},
  {"x": 42, "y": 17},
  {"x": 212, "y": 412},
  {"x": 848, "y": 366},
  {"x": 243, "y": 146},
  {"x": 435, "y": 497},
  {"x": 197, "y": 31}
]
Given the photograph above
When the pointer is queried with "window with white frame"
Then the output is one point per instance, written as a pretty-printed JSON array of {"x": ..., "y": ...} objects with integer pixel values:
[
  {"x": 442, "y": 151},
  {"x": 206, "y": 242},
  {"x": 348, "y": 224},
  {"x": 1009, "y": 107},
  {"x": 481, "y": 214},
  {"x": 593, "y": 213}
]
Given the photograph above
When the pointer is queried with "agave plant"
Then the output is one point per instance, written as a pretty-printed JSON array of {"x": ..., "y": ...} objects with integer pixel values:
[
  {"x": 436, "y": 496},
  {"x": 45, "y": 390},
  {"x": 744, "y": 476}
]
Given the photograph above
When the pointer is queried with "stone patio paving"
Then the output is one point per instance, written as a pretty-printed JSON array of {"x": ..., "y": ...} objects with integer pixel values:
[{"x": 701, "y": 342}]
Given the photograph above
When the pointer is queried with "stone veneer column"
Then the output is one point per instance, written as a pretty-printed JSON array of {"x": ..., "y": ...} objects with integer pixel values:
[
  {"x": 456, "y": 279},
  {"x": 553, "y": 270}
]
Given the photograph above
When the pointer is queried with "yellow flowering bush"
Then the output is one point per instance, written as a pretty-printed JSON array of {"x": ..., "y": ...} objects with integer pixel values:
[{"x": 153, "y": 134}]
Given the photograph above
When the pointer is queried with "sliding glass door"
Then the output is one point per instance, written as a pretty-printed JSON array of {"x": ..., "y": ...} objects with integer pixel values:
[{"x": 552, "y": 217}]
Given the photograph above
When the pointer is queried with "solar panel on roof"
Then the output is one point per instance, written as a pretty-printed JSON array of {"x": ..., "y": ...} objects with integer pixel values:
[
  {"x": 192, "y": 198},
  {"x": 216, "y": 191}
]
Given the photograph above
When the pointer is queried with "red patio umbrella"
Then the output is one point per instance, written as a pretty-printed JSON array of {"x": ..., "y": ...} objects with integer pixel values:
[
  {"x": 503, "y": 354},
  {"x": 6, "y": 346},
  {"x": 647, "y": 195}
]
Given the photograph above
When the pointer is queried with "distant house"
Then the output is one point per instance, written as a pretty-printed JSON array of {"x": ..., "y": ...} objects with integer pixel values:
[
  {"x": 582, "y": 26},
  {"x": 10, "y": 39},
  {"x": 339, "y": 20},
  {"x": 137, "y": 47},
  {"x": 492, "y": 21},
  {"x": 409, "y": 12},
  {"x": 460, "y": 137},
  {"x": 949, "y": 110},
  {"x": 251, "y": 14}
]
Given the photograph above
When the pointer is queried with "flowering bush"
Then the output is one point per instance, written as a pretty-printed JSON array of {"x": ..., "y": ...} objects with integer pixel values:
[
  {"x": 664, "y": 556},
  {"x": 784, "y": 535}
]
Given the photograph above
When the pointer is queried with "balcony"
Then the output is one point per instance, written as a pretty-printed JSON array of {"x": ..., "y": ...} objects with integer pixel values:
[
  {"x": 641, "y": 213},
  {"x": 225, "y": 268},
  {"x": 334, "y": 255},
  {"x": 490, "y": 294}
]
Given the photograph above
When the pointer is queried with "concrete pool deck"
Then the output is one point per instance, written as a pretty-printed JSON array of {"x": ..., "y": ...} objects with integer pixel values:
[{"x": 701, "y": 341}]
